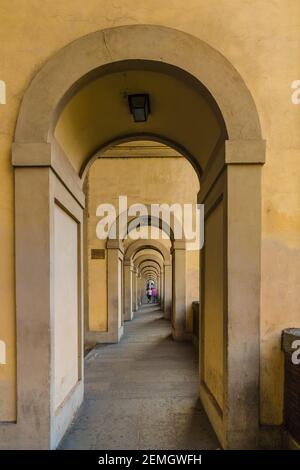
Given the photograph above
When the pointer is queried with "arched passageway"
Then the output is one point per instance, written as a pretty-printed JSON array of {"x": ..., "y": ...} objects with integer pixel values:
[{"x": 203, "y": 109}]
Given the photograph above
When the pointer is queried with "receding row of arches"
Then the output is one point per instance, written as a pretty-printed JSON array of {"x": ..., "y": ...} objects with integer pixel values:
[{"x": 129, "y": 267}]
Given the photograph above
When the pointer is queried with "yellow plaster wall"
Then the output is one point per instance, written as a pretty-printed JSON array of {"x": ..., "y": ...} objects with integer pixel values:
[{"x": 261, "y": 38}]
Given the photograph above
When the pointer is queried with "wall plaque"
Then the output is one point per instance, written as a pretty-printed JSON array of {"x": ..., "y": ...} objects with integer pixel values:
[{"x": 97, "y": 253}]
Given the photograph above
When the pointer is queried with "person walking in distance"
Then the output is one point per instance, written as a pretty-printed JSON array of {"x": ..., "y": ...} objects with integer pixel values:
[
  {"x": 149, "y": 294},
  {"x": 154, "y": 294}
]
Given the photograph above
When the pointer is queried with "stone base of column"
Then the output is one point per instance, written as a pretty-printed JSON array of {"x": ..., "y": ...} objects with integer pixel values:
[
  {"x": 104, "y": 337},
  {"x": 181, "y": 335},
  {"x": 129, "y": 316},
  {"x": 167, "y": 314},
  {"x": 48, "y": 436}
]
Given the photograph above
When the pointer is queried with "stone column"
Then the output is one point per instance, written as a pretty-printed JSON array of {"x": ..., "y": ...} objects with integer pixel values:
[
  {"x": 38, "y": 191},
  {"x": 161, "y": 288},
  {"x": 140, "y": 289},
  {"x": 158, "y": 287},
  {"x": 134, "y": 291},
  {"x": 167, "y": 290},
  {"x": 143, "y": 287},
  {"x": 179, "y": 291},
  {"x": 243, "y": 300},
  {"x": 239, "y": 189},
  {"x": 114, "y": 290},
  {"x": 135, "y": 300},
  {"x": 127, "y": 290}
]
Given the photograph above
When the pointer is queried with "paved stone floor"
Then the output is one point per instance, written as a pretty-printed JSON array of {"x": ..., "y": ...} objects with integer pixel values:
[{"x": 141, "y": 393}]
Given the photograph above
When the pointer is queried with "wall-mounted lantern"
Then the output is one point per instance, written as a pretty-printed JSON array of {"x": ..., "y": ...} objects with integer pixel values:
[{"x": 139, "y": 105}]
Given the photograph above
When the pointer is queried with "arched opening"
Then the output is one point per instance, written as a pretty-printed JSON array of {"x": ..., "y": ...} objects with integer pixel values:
[
  {"x": 216, "y": 127},
  {"x": 149, "y": 261}
]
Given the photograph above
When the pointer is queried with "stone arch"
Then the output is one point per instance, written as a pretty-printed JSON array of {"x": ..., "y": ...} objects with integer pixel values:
[
  {"x": 148, "y": 257},
  {"x": 54, "y": 178},
  {"x": 104, "y": 47},
  {"x": 165, "y": 280},
  {"x": 144, "y": 221},
  {"x": 149, "y": 270},
  {"x": 132, "y": 250},
  {"x": 151, "y": 260},
  {"x": 172, "y": 143},
  {"x": 130, "y": 296},
  {"x": 151, "y": 265},
  {"x": 139, "y": 245}
]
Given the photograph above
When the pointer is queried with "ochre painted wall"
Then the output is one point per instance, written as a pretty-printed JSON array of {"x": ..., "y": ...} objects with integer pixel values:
[{"x": 262, "y": 41}]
